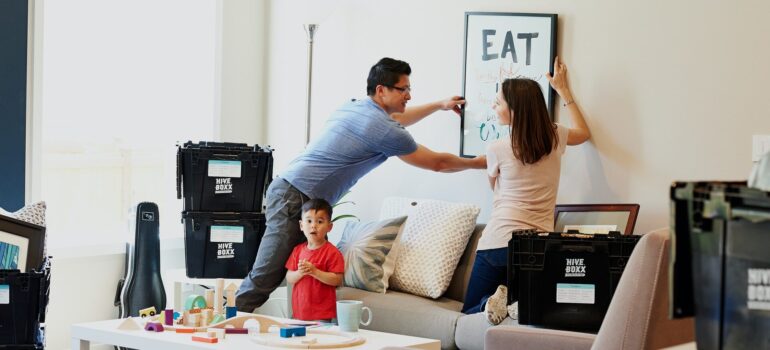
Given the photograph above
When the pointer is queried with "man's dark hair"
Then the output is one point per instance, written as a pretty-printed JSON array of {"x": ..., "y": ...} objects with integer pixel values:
[
  {"x": 318, "y": 204},
  {"x": 386, "y": 72}
]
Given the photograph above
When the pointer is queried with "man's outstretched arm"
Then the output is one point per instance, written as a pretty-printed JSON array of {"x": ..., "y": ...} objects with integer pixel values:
[
  {"x": 444, "y": 162},
  {"x": 414, "y": 114}
]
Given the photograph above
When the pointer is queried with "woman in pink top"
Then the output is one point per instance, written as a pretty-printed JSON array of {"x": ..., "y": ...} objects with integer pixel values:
[{"x": 524, "y": 174}]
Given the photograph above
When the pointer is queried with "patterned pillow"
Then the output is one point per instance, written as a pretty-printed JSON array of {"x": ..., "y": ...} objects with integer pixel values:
[
  {"x": 431, "y": 245},
  {"x": 33, "y": 213},
  {"x": 365, "y": 247}
]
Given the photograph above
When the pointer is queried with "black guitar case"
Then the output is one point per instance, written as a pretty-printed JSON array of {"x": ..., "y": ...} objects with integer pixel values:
[{"x": 142, "y": 286}]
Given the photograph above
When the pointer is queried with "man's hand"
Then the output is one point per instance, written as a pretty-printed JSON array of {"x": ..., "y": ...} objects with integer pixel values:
[{"x": 454, "y": 103}]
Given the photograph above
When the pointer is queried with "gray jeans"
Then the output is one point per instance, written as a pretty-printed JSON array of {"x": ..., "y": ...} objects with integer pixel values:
[{"x": 282, "y": 234}]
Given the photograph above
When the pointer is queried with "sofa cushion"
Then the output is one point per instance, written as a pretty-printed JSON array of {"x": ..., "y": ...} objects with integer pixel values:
[
  {"x": 470, "y": 330},
  {"x": 433, "y": 240},
  {"x": 365, "y": 246},
  {"x": 403, "y": 313}
]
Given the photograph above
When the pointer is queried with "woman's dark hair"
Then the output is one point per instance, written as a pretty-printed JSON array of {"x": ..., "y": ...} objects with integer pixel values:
[
  {"x": 533, "y": 134},
  {"x": 386, "y": 72},
  {"x": 318, "y": 204}
]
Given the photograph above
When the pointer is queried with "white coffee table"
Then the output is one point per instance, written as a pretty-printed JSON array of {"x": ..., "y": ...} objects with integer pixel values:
[{"x": 106, "y": 332}]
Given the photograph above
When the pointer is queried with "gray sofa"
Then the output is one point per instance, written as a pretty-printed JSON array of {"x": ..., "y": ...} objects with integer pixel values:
[
  {"x": 637, "y": 317},
  {"x": 404, "y": 313}
]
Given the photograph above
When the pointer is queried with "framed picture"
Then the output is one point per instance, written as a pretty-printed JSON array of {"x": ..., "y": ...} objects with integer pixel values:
[
  {"x": 21, "y": 244},
  {"x": 499, "y": 46}
]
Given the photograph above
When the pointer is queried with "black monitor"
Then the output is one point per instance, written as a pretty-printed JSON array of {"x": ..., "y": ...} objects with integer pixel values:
[
  {"x": 21, "y": 244},
  {"x": 596, "y": 218}
]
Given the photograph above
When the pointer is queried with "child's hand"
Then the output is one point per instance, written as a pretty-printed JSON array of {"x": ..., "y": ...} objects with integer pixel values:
[{"x": 306, "y": 268}]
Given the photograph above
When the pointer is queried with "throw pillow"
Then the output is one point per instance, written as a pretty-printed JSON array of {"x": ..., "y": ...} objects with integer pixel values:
[
  {"x": 431, "y": 245},
  {"x": 394, "y": 207},
  {"x": 365, "y": 246},
  {"x": 33, "y": 213}
]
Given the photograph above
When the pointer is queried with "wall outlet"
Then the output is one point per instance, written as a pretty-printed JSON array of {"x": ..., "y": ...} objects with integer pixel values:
[{"x": 761, "y": 145}]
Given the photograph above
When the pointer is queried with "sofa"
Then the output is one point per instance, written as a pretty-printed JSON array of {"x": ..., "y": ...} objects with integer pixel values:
[
  {"x": 404, "y": 313},
  {"x": 637, "y": 318}
]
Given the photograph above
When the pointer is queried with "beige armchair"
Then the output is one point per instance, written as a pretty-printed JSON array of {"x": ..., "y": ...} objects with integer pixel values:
[{"x": 637, "y": 317}]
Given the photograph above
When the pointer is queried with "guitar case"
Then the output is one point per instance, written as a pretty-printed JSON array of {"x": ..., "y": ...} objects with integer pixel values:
[{"x": 142, "y": 286}]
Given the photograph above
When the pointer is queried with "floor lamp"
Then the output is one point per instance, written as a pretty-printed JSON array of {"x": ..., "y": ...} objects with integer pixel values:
[{"x": 310, "y": 29}]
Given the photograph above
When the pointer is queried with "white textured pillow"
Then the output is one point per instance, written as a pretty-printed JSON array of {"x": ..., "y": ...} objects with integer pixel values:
[{"x": 431, "y": 244}]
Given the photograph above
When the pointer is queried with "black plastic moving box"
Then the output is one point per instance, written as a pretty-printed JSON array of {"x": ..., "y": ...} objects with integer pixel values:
[
  {"x": 23, "y": 302},
  {"x": 565, "y": 281},
  {"x": 721, "y": 262},
  {"x": 221, "y": 245},
  {"x": 223, "y": 177}
]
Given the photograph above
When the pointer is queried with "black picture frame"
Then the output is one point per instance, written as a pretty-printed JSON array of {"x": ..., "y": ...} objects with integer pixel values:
[
  {"x": 34, "y": 234},
  {"x": 632, "y": 209},
  {"x": 478, "y": 73}
]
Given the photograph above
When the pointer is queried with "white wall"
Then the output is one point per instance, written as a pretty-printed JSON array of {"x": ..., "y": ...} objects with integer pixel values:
[
  {"x": 671, "y": 91},
  {"x": 83, "y": 284}
]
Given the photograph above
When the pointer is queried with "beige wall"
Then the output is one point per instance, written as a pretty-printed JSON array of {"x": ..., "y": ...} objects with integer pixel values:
[{"x": 672, "y": 90}]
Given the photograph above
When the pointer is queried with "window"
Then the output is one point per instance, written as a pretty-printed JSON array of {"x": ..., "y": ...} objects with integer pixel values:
[{"x": 122, "y": 82}]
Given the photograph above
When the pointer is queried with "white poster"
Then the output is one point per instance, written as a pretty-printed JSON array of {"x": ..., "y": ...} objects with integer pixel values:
[{"x": 499, "y": 46}]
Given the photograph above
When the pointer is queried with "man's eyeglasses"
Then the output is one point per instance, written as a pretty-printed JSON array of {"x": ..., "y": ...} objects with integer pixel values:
[{"x": 403, "y": 90}]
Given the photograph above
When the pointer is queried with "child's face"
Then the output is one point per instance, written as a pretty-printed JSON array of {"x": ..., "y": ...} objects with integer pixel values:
[{"x": 315, "y": 224}]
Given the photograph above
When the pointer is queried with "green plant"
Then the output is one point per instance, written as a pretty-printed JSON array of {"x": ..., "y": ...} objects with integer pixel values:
[{"x": 341, "y": 202}]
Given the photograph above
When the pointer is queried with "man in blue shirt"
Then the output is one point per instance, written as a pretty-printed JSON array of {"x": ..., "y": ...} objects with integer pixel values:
[{"x": 357, "y": 138}]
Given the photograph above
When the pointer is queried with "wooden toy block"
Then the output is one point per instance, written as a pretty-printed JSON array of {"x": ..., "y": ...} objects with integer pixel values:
[
  {"x": 231, "y": 311},
  {"x": 153, "y": 327},
  {"x": 205, "y": 317},
  {"x": 230, "y": 298},
  {"x": 185, "y": 330},
  {"x": 168, "y": 317},
  {"x": 236, "y": 331},
  {"x": 150, "y": 311},
  {"x": 288, "y": 332},
  {"x": 195, "y": 301},
  {"x": 129, "y": 324},
  {"x": 216, "y": 319},
  {"x": 205, "y": 339},
  {"x": 218, "y": 295},
  {"x": 217, "y": 332},
  {"x": 209, "y": 296}
]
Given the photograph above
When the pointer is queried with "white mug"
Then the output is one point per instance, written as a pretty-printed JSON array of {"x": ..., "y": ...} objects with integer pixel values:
[{"x": 349, "y": 315}]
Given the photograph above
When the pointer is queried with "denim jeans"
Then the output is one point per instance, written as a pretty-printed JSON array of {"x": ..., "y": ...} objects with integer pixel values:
[
  {"x": 489, "y": 271},
  {"x": 282, "y": 213}
]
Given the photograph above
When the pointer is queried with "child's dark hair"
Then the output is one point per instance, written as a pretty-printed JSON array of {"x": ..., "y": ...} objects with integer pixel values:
[
  {"x": 386, "y": 72},
  {"x": 318, "y": 204}
]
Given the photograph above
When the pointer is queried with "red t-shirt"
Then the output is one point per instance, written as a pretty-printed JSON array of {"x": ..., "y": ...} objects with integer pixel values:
[{"x": 312, "y": 299}]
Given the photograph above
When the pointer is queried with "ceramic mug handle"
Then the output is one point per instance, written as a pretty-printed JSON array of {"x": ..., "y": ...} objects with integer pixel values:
[{"x": 368, "y": 319}]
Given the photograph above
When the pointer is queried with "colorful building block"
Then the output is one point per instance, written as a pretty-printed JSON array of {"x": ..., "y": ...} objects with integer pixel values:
[
  {"x": 236, "y": 331},
  {"x": 168, "y": 315},
  {"x": 205, "y": 339},
  {"x": 230, "y": 311},
  {"x": 288, "y": 332},
  {"x": 153, "y": 327},
  {"x": 150, "y": 311}
]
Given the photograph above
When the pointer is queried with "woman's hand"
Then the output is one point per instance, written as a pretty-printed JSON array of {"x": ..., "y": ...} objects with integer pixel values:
[{"x": 559, "y": 79}]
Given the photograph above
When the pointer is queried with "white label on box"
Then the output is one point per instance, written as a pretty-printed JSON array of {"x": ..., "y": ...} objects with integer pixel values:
[
  {"x": 5, "y": 294},
  {"x": 571, "y": 293},
  {"x": 230, "y": 234},
  {"x": 591, "y": 229},
  {"x": 224, "y": 168},
  {"x": 758, "y": 289}
]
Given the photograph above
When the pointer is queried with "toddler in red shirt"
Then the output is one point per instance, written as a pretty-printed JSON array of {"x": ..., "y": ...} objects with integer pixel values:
[{"x": 316, "y": 266}]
